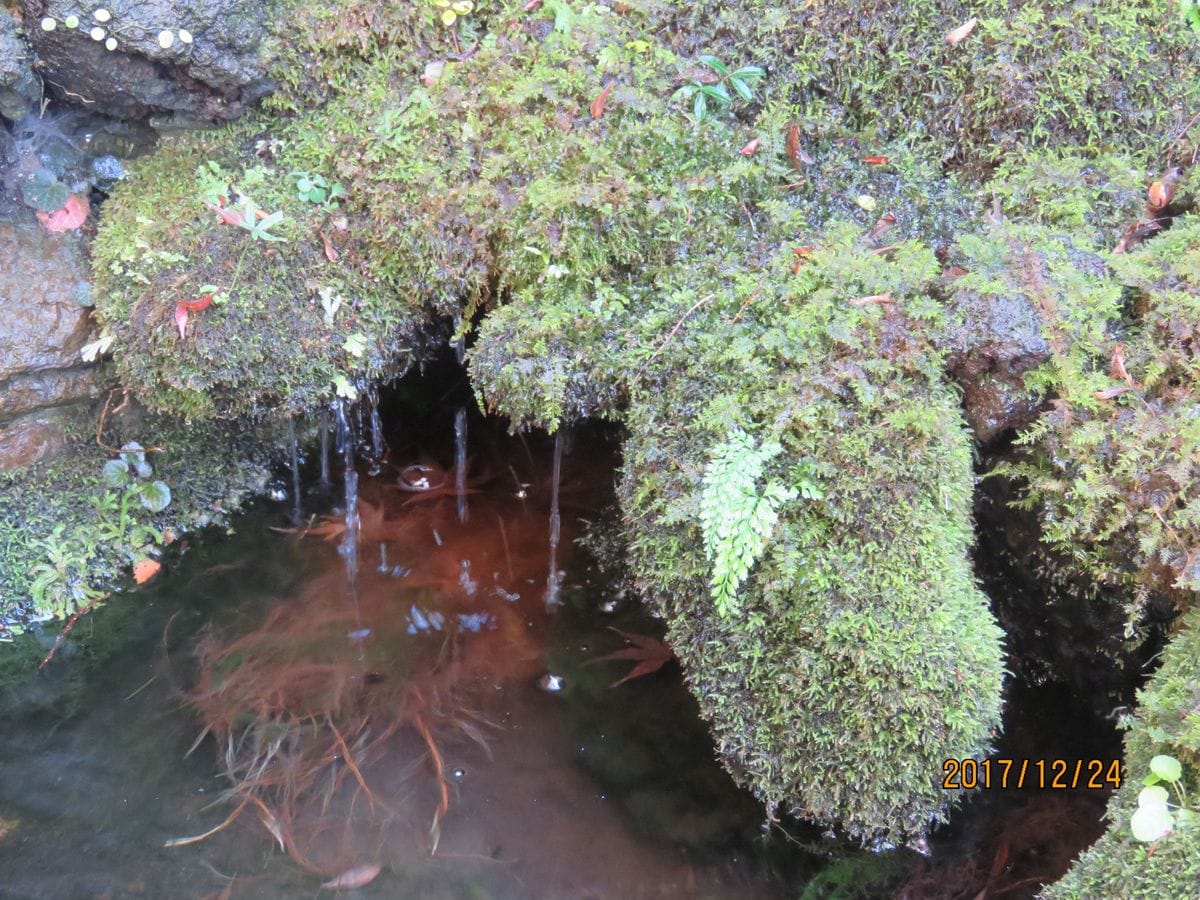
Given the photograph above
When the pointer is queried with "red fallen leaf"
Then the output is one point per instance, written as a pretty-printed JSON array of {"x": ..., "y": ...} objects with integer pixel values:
[
  {"x": 751, "y": 148},
  {"x": 181, "y": 319},
  {"x": 601, "y": 99},
  {"x": 650, "y": 655},
  {"x": 876, "y": 160},
  {"x": 952, "y": 272},
  {"x": 357, "y": 877},
  {"x": 792, "y": 145},
  {"x": 70, "y": 217},
  {"x": 961, "y": 32},
  {"x": 199, "y": 304}
]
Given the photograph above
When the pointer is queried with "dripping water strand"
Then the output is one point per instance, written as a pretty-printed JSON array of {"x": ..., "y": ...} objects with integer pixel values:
[
  {"x": 295, "y": 461},
  {"x": 553, "y": 585},
  {"x": 323, "y": 426},
  {"x": 349, "y": 544},
  {"x": 460, "y": 463},
  {"x": 460, "y": 435}
]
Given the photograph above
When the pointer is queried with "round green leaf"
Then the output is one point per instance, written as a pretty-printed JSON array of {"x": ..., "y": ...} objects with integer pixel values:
[
  {"x": 1155, "y": 795},
  {"x": 1150, "y": 823},
  {"x": 116, "y": 472},
  {"x": 1166, "y": 767},
  {"x": 155, "y": 496}
]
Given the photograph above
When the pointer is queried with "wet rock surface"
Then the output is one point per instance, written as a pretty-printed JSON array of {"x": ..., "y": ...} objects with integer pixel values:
[
  {"x": 19, "y": 86},
  {"x": 42, "y": 277},
  {"x": 994, "y": 342},
  {"x": 184, "y": 62}
]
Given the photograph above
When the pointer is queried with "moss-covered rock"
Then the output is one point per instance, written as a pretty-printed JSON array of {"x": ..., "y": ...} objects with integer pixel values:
[
  {"x": 294, "y": 313},
  {"x": 750, "y": 273},
  {"x": 1167, "y": 722},
  {"x": 1113, "y": 465}
]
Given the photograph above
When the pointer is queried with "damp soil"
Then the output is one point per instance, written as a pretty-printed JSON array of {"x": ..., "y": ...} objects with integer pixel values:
[{"x": 442, "y": 706}]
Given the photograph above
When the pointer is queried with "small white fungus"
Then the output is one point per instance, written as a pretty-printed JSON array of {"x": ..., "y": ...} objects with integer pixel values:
[
  {"x": 71, "y": 21},
  {"x": 102, "y": 15},
  {"x": 49, "y": 24},
  {"x": 111, "y": 43},
  {"x": 166, "y": 38},
  {"x": 97, "y": 33},
  {"x": 185, "y": 36}
]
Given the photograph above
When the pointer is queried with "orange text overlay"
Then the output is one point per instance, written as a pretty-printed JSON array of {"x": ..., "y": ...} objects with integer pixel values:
[{"x": 1013, "y": 774}]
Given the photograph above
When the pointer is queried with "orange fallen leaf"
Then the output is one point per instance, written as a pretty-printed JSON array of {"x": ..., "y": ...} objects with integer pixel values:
[
  {"x": 751, "y": 148},
  {"x": 70, "y": 217},
  {"x": 802, "y": 255},
  {"x": 145, "y": 569},
  {"x": 357, "y": 877},
  {"x": 876, "y": 160},
  {"x": 962, "y": 31},
  {"x": 1116, "y": 366},
  {"x": 601, "y": 99},
  {"x": 792, "y": 145}
]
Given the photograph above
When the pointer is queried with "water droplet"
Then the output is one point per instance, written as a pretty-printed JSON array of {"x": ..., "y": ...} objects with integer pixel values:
[
  {"x": 277, "y": 494},
  {"x": 458, "y": 774},
  {"x": 609, "y": 607},
  {"x": 359, "y": 634},
  {"x": 551, "y": 683}
]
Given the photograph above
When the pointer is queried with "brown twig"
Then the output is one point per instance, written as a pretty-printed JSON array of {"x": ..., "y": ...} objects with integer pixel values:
[
  {"x": 104, "y": 416},
  {"x": 1186, "y": 128},
  {"x": 742, "y": 308},
  {"x": 353, "y": 766},
  {"x": 62, "y": 636},
  {"x": 872, "y": 299},
  {"x": 439, "y": 769},
  {"x": 195, "y": 839},
  {"x": 667, "y": 339}
]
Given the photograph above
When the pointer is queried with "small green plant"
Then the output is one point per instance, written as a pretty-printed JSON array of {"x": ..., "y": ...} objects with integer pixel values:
[
  {"x": 1156, "y": 815},
  {"x": 61, "y": 584},
  {"x": 450, "y": 11},
  {"x": 736, "y": 519},
  {"x": 128, "y": 479},
  {"x": 703, "y": 91},
  {"x": 317, "y": 190}
]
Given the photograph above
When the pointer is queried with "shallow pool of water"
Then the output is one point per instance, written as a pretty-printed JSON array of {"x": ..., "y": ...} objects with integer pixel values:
[{"x": 436, "y": 719}]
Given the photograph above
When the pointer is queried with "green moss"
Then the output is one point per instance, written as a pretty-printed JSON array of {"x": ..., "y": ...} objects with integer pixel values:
[
  {"x": 1112, "y": 466},
  {"x": 55, "y": 513},
  {"x": 1029, "y": 75},
  {"x": 276, "y": 339},
  {"x": 1167, "y": 722}
]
